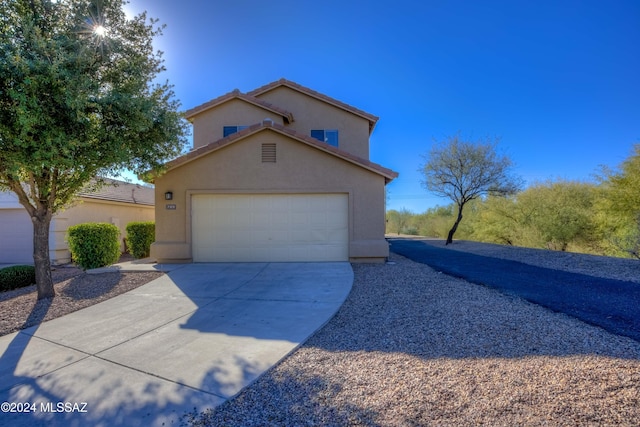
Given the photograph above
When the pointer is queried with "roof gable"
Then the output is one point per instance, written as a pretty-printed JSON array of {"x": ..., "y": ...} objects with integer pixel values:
[
  {"x": 267, "y": 125},
  {"x": 317, "y": 95},
  {"x": 236, "y": 94}
]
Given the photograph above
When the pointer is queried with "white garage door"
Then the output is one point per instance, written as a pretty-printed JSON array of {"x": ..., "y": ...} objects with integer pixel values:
[
  {"x": 270, "y": 227},
  {"x": 16, "y": 236}
]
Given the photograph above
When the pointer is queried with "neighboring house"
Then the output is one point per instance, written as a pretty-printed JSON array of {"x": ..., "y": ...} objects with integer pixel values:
[
  {"x": 281, "y": 173},
  {"x": 116, "y": 203}
]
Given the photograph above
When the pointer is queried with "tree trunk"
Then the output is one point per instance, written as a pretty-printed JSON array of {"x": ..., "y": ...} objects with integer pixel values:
[
  {"x": 44, "y": 282},
  {"x": 455, "y": 225}
]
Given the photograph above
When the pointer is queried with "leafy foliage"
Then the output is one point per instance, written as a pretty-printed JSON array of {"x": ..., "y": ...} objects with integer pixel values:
[
  {"x": 398, "y": 222},
  {"x": 618, "y": 208},
  {"x": 559, "y": 212},
  {"x": 94, "y": 245},
  {"x": 17, "y": 276},
  {"x": 552, "y": 215},
  {"x": 140, "y": 236},
  {"x": 77, "y": 103}
]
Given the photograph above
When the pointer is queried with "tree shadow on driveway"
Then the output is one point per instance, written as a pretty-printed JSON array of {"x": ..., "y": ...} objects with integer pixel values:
[{"x": 191, "y": 339}]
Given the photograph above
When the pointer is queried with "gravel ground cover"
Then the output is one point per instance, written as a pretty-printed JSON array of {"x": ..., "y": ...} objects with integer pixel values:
[
  {"x": 413, "y": 347},
  {"x": 20, "y": 309}
]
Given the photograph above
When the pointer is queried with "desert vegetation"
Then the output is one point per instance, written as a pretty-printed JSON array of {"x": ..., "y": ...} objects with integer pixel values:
[{"x": 601, "y": 216}]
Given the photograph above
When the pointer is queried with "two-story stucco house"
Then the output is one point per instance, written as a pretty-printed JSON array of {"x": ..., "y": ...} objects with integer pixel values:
[{"x": 281, "y": 173}]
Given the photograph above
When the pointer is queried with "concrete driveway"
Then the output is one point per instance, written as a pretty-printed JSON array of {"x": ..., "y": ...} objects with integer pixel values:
[{"x": 189, "y": 340}]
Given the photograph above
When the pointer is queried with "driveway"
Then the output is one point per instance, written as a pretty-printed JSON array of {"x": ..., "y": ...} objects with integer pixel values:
[
  {"x": 611, "y": 304},
  {"x": 186, "y": 341}
]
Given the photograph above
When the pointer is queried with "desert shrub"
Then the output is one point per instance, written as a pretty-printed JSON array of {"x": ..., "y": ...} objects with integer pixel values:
[
  {"x": 410, "y": 230},
  {"x": 17, "y": 276},
  {"x": 140, "y": 236},
  {"x": 94, "y": 245}
]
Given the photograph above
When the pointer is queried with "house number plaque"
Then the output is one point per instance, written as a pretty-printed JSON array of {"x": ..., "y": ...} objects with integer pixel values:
[{"x": 171, "y": 207}]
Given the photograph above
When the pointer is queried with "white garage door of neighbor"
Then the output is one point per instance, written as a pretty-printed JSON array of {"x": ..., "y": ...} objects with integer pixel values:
[
  {"x": 270, "y": 227},
  {"x": 16, "y": 236}
]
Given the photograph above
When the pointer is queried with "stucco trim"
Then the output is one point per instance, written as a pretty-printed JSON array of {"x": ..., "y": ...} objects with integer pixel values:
[
  {"x": 236, "y": 94},
  {"x": 266, "y": 125}
]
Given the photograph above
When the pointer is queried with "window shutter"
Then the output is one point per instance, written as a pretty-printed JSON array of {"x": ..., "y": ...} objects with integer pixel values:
[{"x": 268, "y": 153}]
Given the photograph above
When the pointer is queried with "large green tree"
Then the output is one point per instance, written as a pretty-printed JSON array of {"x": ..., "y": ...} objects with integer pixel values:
[
  {"x": 79, "y": 99},
  {"x": 465, "y": 170}
]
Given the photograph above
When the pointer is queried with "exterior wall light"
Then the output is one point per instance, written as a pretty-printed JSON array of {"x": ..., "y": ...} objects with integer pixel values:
[{"x": 168, "y": 195}]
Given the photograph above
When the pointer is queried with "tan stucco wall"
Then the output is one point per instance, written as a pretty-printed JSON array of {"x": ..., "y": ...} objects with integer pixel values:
[
  {"x": 299, "y": 169},
  {"x": 310, "y": 113},
  {"x": 208, "y": 125},
  {"x": 91, "y": 210}
]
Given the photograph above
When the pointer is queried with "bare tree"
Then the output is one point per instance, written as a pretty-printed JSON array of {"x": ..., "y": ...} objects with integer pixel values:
[{"x": 464, "y": 171}]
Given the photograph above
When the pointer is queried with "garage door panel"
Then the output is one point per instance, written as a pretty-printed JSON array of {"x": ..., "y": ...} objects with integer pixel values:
[
  {"x": 337, "y": 236},
  {"x": 16, "y": 236},
  {"x": 299, "y": 218},
  {"x": 222, "y": 235},
  {"x": 270, "y": 227}
]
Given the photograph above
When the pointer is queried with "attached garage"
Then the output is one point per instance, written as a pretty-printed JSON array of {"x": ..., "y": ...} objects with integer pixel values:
[
  {"x": 270, "y": 227},
  {"x": 16, "y": 236}
]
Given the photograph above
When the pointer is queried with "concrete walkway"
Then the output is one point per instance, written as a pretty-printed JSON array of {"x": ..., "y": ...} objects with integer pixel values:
[{"x": 189, "y": 340}]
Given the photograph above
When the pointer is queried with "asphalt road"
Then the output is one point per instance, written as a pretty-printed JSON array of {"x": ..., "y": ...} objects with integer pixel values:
[{"x": 611, "y": 304}]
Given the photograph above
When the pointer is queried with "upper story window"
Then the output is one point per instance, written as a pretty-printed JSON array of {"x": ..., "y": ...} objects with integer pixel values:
[
  {"x": 228, "y": 130},
  {"x": 326, "y": 135}
]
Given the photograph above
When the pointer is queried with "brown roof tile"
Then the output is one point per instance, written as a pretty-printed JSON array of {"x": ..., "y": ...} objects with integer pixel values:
[
  {"x": 236, "y": 94},
  {"x": 314, "y": 94},
  {"x": 268, "y": 125},
  {"x": 121, "y": 191}
]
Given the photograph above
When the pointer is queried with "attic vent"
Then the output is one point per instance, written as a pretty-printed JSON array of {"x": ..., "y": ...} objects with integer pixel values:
[{"x": 268, "y": 153}]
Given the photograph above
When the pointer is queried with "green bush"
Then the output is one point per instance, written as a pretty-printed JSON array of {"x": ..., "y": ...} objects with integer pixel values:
[
  {"x": 94, "y": 245},
  {"x": 140, "y": 236},
  {"x": 17, "y": 276}
]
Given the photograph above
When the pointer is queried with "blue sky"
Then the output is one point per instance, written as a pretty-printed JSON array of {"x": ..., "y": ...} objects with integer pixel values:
[{"x": 557, "y": 81}]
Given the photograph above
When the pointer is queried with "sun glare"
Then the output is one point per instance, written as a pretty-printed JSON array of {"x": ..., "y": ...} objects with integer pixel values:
[{"x": 99, "y": 30}]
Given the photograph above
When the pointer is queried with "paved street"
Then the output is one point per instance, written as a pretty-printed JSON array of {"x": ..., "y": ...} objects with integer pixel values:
[{"x": 611, "y": 304}]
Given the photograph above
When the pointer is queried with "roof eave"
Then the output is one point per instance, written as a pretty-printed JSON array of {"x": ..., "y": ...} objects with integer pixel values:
[{"x": 388, "y": 174}]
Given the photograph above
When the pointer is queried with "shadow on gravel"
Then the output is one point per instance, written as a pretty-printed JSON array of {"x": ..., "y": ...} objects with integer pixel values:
[
  {"x": 414, "y": 347},
  {"x": 610, "y": 304},
  {"x": 81, "y": 287},
  {"x": 301, "y": 397}
]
